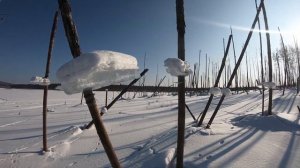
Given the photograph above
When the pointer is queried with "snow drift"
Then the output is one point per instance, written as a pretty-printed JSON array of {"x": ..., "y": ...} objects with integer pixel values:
[
  {"x": 177, "y": 67},
  {"x": 95, "y": 70}
]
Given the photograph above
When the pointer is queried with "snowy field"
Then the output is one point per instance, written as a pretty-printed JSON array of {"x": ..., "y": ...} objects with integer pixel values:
[{"x": 143, "y": 131}]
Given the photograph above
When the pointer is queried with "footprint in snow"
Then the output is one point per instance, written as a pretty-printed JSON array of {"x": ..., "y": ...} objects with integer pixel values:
[
  {"x": 209, "y": 157},
  {"x": 222, "y": 141}
]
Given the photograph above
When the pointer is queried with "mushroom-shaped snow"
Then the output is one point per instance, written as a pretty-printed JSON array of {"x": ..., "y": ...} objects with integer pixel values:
[{"x": 95, "y": 70}]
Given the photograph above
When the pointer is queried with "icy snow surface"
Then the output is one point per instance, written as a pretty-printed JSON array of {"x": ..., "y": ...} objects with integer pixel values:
[
  {"x": 95, "y": 70},
  {"x": 143, "y": 131},
  {"x": 177, "y": 67},
  {"x": 40, "y": 80}
]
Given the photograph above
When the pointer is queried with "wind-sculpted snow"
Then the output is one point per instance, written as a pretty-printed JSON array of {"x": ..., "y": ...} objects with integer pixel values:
[
  {"x": 177, "y": 67},
  {"x": 95, "y": 70}
]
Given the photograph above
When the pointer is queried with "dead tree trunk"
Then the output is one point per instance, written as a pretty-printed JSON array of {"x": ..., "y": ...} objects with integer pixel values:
[
  {"x": 181, "y": 83},
  {"x": 216, "y": 83},
  {"x": 237, "y": 65},
  {"x": 72, "y": 37},
  {"x": 45, "y": 98}
]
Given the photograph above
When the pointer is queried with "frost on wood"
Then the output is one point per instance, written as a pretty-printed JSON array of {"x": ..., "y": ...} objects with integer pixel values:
[
  {"x": 226, "y": 91},
  {"x": 177, "y": 67},
  {"x": 95, "y": 70},
  {"x": 40, "y": 80},
  {"x": 270, "y": 85},
  {"x": 215, "y": 90}
]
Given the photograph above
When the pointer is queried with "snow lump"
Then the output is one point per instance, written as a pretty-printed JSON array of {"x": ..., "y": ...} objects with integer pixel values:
[
  {"x": 95, "y": 70},
  {"x": 177, "y": 67}
]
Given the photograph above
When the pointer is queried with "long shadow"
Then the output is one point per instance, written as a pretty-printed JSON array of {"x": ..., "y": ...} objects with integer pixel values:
[
  {"x": 254, "y": 123},
  {"x": 287, "y": 156},
  {"x": 229, "y": 148}
]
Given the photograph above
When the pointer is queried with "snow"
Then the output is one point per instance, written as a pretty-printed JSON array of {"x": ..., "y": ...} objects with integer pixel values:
[
  {"x": 143, "y": 131},
  {"x": 103, "y": 110},
  {"x": 95, "y": 70},
  {"x": 226, "y": 91},
  {"x": 215, "y": 90},
  {"x": 271, "y": 85},
  {"x": 177, "y": 67},
  {"x": 40, "y": 80}
]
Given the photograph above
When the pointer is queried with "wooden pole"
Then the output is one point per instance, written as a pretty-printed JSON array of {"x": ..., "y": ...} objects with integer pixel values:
[
  {"x": 298, "y": 61},
  {"x": 269, "y": 56},
  {"x": 247, "y": 68},
  {"x": 203, "y": 114},
  {"x": 285, "y": 61},
  {"x": 106, "y": 94},
  {"x": 237, "y": 65},
  {"x": 181, "y": 83},
  {"x": 45, "y": 98},
  {"x": 72, "y": 37},
  {"x": 234, "y": 54},
  {"x": 119, "y": 96}
]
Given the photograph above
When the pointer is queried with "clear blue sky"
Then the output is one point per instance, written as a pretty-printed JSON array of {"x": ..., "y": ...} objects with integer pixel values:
[{"x": 133, "y": 27}]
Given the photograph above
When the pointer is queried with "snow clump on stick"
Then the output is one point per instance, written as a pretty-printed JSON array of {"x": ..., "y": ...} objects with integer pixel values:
[
  {"x": 215, "y": 90},
  {"x": 95, "y": 70},
  {"x": 226, "y": 91},
  {"x": 270, "y": 85},
  {"x": 40, "y": 81},
  {"x": 177, "y": 67}
]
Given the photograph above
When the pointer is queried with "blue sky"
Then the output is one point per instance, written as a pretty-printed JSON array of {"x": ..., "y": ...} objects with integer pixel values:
[{"x": 134, "y": 27}]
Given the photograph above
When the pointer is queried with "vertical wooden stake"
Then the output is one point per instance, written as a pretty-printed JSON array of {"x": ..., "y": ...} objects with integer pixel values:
[
  {"x": 106, "y": 92},
  {"x": 53, "y": 30},
  {"x": 181, "y": 83}
]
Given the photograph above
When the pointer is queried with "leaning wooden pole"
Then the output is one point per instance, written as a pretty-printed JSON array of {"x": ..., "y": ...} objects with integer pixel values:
[
  {"x": 262, "y": 65},
  {"x": 181, "y": 83},
  {"x": 88, "y": 126},
  {"x": 237, "y": 64},
  {"x": 45, "y": 98},
  {"x": 72, "y": 37},
  {"x": 234, "y": 54},
  {"x": 203, "y": 114},
  {"x": 269, "y": 57}
]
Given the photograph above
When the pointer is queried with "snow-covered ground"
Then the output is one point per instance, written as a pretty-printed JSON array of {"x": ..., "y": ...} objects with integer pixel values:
[{"x": 143, "y": 131}]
